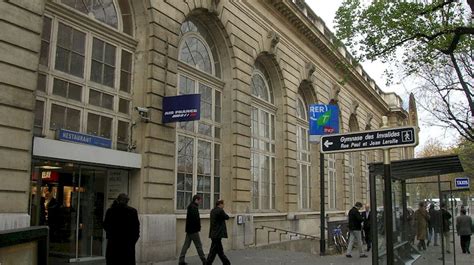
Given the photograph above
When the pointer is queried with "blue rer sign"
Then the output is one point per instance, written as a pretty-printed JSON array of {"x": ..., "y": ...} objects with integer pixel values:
[
  {"x": 81, "y": 138},
  {"x": 323, "y": 120},
  {"x": 462, "y": 182},
  {"x": 181, "y": 108}
]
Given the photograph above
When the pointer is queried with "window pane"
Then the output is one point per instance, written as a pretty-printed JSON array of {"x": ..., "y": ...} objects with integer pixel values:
[
  {"x": 126, "y": 64},
  {"x": 96, "y": 71},
  {"x": 39, "y": 114},
  {"x": 64, "y": 36},
  {"x": 62, "y": 59},
  {"x": 97, "y": 50},
  {"x": 78, "y": 41},
  {"x": 60, "y": 88},
  {"x": 109, "y": 57},
  {"x": 122, "y": 135},
  {"x": 73, "y": 119},
  {"x": 105, "y": 127},
  {"x": 125, "y": 81},
  {"x": 217, "y": 110},
  {"x": 41, "y": 83},
  {"x": 93, "y": 124},
  {"x": 57, "y": 117},
  {"x": 204, "y": 129},
  {"x": 124, "y": 106},
  {"x": 108, "y": 101},
  {"x": 77, "y": 65},
  {"x": 109, "y": 76},
  {"x": 75, "y": 92},
  {"x": 44, "y": 53},
  {"x": 94, "y": 97}
]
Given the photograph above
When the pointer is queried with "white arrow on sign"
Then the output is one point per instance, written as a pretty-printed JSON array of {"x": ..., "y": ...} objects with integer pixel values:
[{"x": 327, "y": 143}]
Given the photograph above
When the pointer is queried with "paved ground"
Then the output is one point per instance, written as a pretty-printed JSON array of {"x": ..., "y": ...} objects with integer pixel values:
[
  {"x": 280, "y": 257},
  {"x": 276, "y": 257}
]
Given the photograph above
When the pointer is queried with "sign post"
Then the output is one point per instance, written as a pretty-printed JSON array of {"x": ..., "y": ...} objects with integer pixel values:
[{"x": 323, "y": 119}]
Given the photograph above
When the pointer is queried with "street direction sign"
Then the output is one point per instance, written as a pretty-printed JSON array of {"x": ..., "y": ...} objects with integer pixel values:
[
  {"x": 462, "y": 182},
  {"x": 379, "y": 139}
]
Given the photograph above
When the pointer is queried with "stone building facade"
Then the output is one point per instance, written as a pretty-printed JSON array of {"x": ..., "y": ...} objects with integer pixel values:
[{"x": 76, "y": 70}]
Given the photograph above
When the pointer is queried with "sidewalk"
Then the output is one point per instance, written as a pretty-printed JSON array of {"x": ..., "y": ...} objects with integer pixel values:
[
  {"x": 280, "y": 257},
  {"x": 277, "y": 257}
]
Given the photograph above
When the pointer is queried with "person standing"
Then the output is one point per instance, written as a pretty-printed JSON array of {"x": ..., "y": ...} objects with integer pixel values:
[
  {"x": 366, "y": 227},
  {"x": 217, "y": 231},
  {"x": 193, "y": 227},
  {"x": 445, "y": 217},
  {"x": 464, "y": 228},
  {"x": 421, "y": 220},
  {"x": 355, "y": 230},
  {"x": 122, "y": 229},
  {"x": 434, "y": 226}
]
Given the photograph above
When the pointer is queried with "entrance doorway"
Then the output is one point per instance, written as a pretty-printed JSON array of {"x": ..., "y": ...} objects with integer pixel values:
[{"x": 71, "y": 199}]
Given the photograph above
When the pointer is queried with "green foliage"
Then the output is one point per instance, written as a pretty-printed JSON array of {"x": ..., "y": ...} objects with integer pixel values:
[{"x": 418, "y": 31}]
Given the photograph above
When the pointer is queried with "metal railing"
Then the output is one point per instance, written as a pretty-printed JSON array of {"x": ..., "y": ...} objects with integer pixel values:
[{"x": 281, "y": 232}]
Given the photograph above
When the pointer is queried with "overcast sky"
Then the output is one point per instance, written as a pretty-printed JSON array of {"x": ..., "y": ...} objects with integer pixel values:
[{"x": 326, "y": 10}]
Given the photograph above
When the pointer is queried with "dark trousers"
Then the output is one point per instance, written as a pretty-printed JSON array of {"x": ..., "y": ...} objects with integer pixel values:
[
  {"x": 465, "y": 243},
  {"x": 194, "y": 237},
  {"x": 217, "y": 249},
  {"x": 367, "y": 239}
]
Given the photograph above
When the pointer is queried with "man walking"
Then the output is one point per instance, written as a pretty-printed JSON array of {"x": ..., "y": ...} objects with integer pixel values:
[
  {"x": 217, "y": 231},
  {"x": 355, "y": 233},
  {"x": 445, "y": 217},
  {"x": 463, "y": 226},
  {"x": 193, "y": 227},
  {"x": 366, "y": 216},
  {"x": 122, "y": 229}
]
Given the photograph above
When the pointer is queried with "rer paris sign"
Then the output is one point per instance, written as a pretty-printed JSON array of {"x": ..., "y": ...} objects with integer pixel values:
[
  {"x": 385, "y": 138},
  {"x": 323, "y": 119},
  {"x": 181, "y": 108}
]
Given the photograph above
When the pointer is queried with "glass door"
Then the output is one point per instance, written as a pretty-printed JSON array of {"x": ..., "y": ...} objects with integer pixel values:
[{"x": 71, "y": 199}]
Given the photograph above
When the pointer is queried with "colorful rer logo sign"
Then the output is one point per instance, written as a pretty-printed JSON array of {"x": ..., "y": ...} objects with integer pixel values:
[{"x": 323, "y": 120}]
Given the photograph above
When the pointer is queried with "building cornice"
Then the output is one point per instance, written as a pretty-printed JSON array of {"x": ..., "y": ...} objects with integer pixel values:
[{"x": 299, "y": 14}]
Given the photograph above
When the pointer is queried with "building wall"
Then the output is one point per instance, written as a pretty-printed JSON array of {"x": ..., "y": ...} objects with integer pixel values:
[
  {"x": 299, "y": 58},
  {"x": 18, "y": 65}
]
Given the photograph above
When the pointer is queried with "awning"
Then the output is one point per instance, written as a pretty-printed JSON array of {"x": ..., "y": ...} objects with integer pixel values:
[{"x": 419, "y": 167}]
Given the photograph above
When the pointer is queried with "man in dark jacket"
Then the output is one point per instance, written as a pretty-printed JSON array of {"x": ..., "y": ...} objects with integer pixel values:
[
  {"x": 122, "y": 229},
  {"x": 217, "y": 231},
  {"x": 445, "y": 217},
  {"x": 193, "y": 227},
  {"x": 355, "y": 228}
]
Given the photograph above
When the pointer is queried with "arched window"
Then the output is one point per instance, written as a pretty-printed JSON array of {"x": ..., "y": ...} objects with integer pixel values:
[
  {"x": 303, "y": 155},
  {"x": 106, "y": 12},
  {"x": 85, "y": 78},
  {"x": 263, "y": 140},
  {"x": 199, "y": 142}
]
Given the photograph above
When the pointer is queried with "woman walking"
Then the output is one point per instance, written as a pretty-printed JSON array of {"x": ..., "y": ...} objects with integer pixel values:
[{"x": 421, "y": 220}]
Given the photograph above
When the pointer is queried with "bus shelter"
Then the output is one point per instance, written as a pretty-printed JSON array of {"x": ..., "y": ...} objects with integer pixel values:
[{"x": 405, "y": 175}]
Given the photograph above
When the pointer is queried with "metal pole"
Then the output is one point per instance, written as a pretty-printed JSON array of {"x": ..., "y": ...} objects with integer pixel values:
[
  {"x": 441, "y": 221},
  {"x": 405, "y": 211},
  {"x": 322, "y": 242},
  {"x": 373, "y": 219},
  {"x": 452, "y": 222},
  {"x": 388, "y": 207}
]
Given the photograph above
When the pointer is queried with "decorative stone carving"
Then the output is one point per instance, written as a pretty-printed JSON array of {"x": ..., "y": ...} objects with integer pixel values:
[
  {"x": 214, "y": 5},
  {"x": 354, "y": 107},
  {"x": 368, "y": 122},
  {"x": 274, "y": 40},
  {"x": 309, "y": 70},
  {"x": 334, "y": 94}
]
